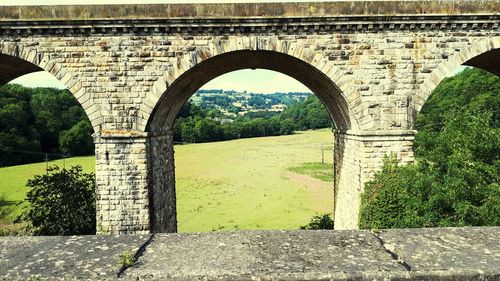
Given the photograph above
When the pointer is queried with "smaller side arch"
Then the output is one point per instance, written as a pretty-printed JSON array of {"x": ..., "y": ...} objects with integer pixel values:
[
  {"x": 17, "y": 60},
  {"x": 484, "y": 54}
]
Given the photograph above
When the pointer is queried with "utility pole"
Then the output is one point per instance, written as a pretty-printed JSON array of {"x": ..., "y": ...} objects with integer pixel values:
[{"x": 322, "y": 155}]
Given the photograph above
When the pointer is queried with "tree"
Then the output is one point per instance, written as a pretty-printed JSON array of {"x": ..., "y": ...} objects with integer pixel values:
[
  {"x": 77, "y": 140},
  {"x": 62, "y": 202},
  {"x": 287, "y": 127},
  {"x": 31, "y": 121},
  {"x": 455, "y": 180},
  {"x": 214, "y": 114}
]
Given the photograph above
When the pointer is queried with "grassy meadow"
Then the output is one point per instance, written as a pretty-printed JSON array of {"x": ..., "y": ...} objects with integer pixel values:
[{"x": 259, "y": 183}]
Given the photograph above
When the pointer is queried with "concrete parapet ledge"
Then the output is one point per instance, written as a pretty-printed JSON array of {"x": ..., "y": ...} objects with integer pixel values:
[{"x": 468, "y": 253}]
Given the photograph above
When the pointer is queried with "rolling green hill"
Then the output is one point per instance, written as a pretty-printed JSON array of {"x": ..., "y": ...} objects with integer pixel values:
[{"x": 239, "y": 184}]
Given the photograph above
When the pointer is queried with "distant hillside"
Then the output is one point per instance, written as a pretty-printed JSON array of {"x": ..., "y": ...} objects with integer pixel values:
[
  {"x": 231, "y": 103},
  {"x": 195, "y": 124}
]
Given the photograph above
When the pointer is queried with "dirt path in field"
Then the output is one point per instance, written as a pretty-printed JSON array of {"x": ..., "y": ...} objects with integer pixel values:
[
  {"x": 314, "y": 185},
  {"x": 318, "y": 190}
]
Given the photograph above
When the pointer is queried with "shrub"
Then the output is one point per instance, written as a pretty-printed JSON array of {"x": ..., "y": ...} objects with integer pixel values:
[
  {"x": 386, "y": 201},
  {"x": 319, "y": 222},
  {"x": 62, "y": 202},
  {"x": 127, "y": 259},
  {"x": 455, "y": 179}
]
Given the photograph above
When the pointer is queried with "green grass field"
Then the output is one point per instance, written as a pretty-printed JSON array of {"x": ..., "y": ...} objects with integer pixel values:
[{"x": 259, "y": 183}]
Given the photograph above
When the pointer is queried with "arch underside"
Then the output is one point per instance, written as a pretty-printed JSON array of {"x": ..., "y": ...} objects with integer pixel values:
[
  {"x": 184, "y": 87},
  {"x": 489, "y": 61},
  {"x": 12, "y": 68},
  {"x": 484, "y": 55}
]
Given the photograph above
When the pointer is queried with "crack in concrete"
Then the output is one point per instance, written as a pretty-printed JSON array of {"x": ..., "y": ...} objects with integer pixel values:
[
  {"x": 137, "y": 255},
  {"x": 390, "y": 252}
]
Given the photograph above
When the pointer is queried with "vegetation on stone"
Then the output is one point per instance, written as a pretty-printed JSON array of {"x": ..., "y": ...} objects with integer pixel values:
[
  {"x": 455, "y": 180},
  {"x": 127, "y": 259}
]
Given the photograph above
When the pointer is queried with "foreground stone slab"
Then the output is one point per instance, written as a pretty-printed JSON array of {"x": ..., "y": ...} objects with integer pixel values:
[
  {"x": 291, "y": 255},
  {"x": 407, "y": 254},
  {"x": 468, "y": 253},
  {"x": 65, "y": 257},
  {"x": 463, "y": 253}
]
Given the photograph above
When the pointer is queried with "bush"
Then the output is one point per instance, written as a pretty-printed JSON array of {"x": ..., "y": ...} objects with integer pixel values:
[
  {"x": 386, "y": 201},
  {"x": 62, "y": 202},
  {"x": 319, "y": 222}
]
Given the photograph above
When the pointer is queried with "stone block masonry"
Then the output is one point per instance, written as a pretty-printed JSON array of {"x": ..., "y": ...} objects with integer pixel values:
[
  {"x": 122, "y": 198},
  {"x": 373, "y": 64}
]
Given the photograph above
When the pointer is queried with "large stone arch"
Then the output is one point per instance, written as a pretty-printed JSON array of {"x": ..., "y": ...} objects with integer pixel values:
[
  {"x": 484, "y": 54},
  {"x": 20, "y": 60},
  {"x": 200, "y": 66},
  {"x": 339, "y": 98}
]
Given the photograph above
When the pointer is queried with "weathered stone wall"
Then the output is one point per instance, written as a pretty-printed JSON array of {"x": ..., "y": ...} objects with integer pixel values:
[
  {"x": 385, "y": 76},
  {"x": 122, "y": 201},
  {"x": 372, "y": 72}
]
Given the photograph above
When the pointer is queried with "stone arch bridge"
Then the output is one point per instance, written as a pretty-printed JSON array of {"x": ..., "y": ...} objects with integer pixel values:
[{"x": 372, "y": 63}]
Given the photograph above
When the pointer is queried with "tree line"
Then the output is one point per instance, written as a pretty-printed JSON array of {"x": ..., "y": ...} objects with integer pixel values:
[
  {"x": 455, "y": 180},
  {"x": 38, "y": 121},
  {"x": 195, "y": 125}
]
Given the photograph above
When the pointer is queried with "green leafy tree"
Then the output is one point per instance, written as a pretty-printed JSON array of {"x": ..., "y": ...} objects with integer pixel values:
[
  {"x": 195, "y": 124},
  {"x": 455, "y": 180},
  {"x": 32, "y": 119},
  {"x": 188, "y": 131},
  {"x": 62, "y": 202},
  {"x": 77, "y": 140},
  {"x": 287, "y": 127}
]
